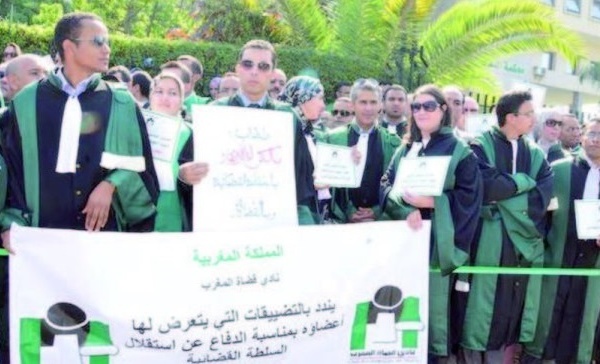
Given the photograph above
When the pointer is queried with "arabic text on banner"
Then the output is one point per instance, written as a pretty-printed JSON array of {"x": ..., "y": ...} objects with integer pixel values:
[{"x": 333, "y": 294}]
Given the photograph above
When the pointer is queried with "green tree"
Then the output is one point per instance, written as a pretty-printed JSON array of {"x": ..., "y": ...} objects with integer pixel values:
[
  {"x": 48, "y": 15},
  {"x": 456, "y": 45}
]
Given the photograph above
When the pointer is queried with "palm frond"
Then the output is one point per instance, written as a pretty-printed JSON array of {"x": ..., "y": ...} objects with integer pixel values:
[
  {"x": 307, "y": 19},
  {"x": 473, "y": 34}
]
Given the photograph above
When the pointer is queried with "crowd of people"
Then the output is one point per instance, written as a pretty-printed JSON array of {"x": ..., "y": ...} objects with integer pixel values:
[{"x": 75, "y": 154}]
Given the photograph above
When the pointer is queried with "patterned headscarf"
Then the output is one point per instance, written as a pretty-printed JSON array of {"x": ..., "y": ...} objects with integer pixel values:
[{"x": 301, "y": 89}]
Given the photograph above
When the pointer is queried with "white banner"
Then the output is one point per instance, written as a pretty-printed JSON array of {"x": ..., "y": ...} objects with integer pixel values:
[
  {"x": 251, "y": 181},
  {"x": 319, "y": 294}
]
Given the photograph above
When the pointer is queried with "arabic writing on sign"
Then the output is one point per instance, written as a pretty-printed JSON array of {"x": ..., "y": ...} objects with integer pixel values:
[
  {"x": 250, "y": 157},
  {"x": 251, "y": 252},
  {"x": 232, "y": 336},
  {"x": 245, "y": 207},
  {"x": 256, "y": 180},
  {"x": 250, "y": 132},
  {"x": 251, "y": 279}
]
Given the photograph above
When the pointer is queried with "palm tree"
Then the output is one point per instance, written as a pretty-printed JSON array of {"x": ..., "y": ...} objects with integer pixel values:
[{"x": 456, "y": 45}]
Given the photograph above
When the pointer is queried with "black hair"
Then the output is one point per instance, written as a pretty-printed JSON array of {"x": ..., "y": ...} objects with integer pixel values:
[{"x": 69, "y": 27}]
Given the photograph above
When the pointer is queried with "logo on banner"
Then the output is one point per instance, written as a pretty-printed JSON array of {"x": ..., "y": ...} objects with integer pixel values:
[
  {"x": 389, "y": 322},
  {"x": 65, "y": 335}
]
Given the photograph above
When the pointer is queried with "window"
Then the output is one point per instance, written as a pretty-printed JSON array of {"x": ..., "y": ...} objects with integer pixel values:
[
  {"x": 573, "y": 6},
  {"x": 595, "y": 10},
  {"x": 548, "y": 2},
  {"x": 547, "y": 61}
]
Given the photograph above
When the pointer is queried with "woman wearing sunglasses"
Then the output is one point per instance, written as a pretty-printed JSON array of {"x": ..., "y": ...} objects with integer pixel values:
[
  {"x": 452, "y": 214},
  {"x": 166, "y": 97},
  {"x": 548, "y": 131}
]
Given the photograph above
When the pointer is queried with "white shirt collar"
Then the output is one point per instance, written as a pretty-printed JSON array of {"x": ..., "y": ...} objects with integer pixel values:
[{"x": 70, "y": 90}]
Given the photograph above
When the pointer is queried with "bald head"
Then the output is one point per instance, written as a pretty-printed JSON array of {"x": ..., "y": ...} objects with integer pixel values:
[{"x": 23, "y": 70}]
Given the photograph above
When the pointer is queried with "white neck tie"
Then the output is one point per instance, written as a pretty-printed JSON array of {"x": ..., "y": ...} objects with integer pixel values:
[
  {"x": 69, "y": 136},
  {"x": 592, "y": 184},
  {"x": 362, "y": 146}
]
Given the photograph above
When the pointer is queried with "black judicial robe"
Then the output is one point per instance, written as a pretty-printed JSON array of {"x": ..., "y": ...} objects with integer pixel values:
[
  {"x": 571, "y": 304},
  {"x": 452, "y": 231},
  {"x": 502, "y": 309},
  {"x": 62, "y": 196},
  {"x": 380, "y": 149}
]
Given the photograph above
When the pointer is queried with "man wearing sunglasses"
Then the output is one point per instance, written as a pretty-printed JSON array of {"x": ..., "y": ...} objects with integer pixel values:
[
  {"x": 256, "y": 61},
  {"x": 374, "y": 145},
  {"x": 342, "y": 112},
  {"x": 77, "y": 147},
  {"x": 502, "y": 310}
]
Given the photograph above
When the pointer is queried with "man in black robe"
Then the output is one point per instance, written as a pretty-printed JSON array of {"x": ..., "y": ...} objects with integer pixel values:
[
  {"x": 502, "y": 309},
  {"x": 568, "y": 317},
  {"x": 255, "y": 65}
]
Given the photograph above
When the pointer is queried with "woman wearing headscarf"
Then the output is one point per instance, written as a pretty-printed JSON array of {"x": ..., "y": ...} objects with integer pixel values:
[
  {"x": 306, "y": 96},
  {"x": 166, "y": 98}
]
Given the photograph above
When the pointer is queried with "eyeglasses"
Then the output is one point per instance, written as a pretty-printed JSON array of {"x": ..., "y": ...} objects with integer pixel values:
[
  {"x": 98, "y": 41},
  {"x": 429, "y": 106},
  {"x": 553, "y": 122},
  {"x": 593, "y": 135},
  {"x": 248, "y": 64},
  {"x": 342, "y": 113},
  {"x": 10, "y": 54}
]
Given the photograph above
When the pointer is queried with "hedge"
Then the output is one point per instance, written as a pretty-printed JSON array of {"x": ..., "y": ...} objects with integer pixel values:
[{"x": 217, "y": 58}]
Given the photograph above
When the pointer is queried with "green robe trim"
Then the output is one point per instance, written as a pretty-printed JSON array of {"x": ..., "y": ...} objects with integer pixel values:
[
  {"x": 557, "y": 237},
  {"x": 445, "y": 254},
  {"x": 339, "y": 136},
  {"x": 170, "y": 214},
  {"x": 194, "y": 99},
  {"x": 512, "y": 214},
  {"x": 123, "y": 141},
  {"x": 31, "y": 341}
]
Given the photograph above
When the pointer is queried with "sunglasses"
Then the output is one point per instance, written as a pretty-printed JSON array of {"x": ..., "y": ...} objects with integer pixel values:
[
  {"x": 98, "y": 41},
  {"x": 553, "y": 122},
  {"x": 429, "y": 106},
  {"x": 10, "y": 54},
  {"x": 2, "y": 74},
  {"x": 248, "y": 65},
  {"x": 342, "y": 113}
]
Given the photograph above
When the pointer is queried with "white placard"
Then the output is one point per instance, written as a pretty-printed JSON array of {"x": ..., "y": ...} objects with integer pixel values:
[
  {"x": 163, "y": 132},
  {"x": 272, "y": 296},
  {"x": 587, "y": 219},
  {"x": 251, "y": 181},
  {"x": 477, "y": 124},
  {"x": 335, "y": 166},
  {"x": 423, "y": 176}
]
